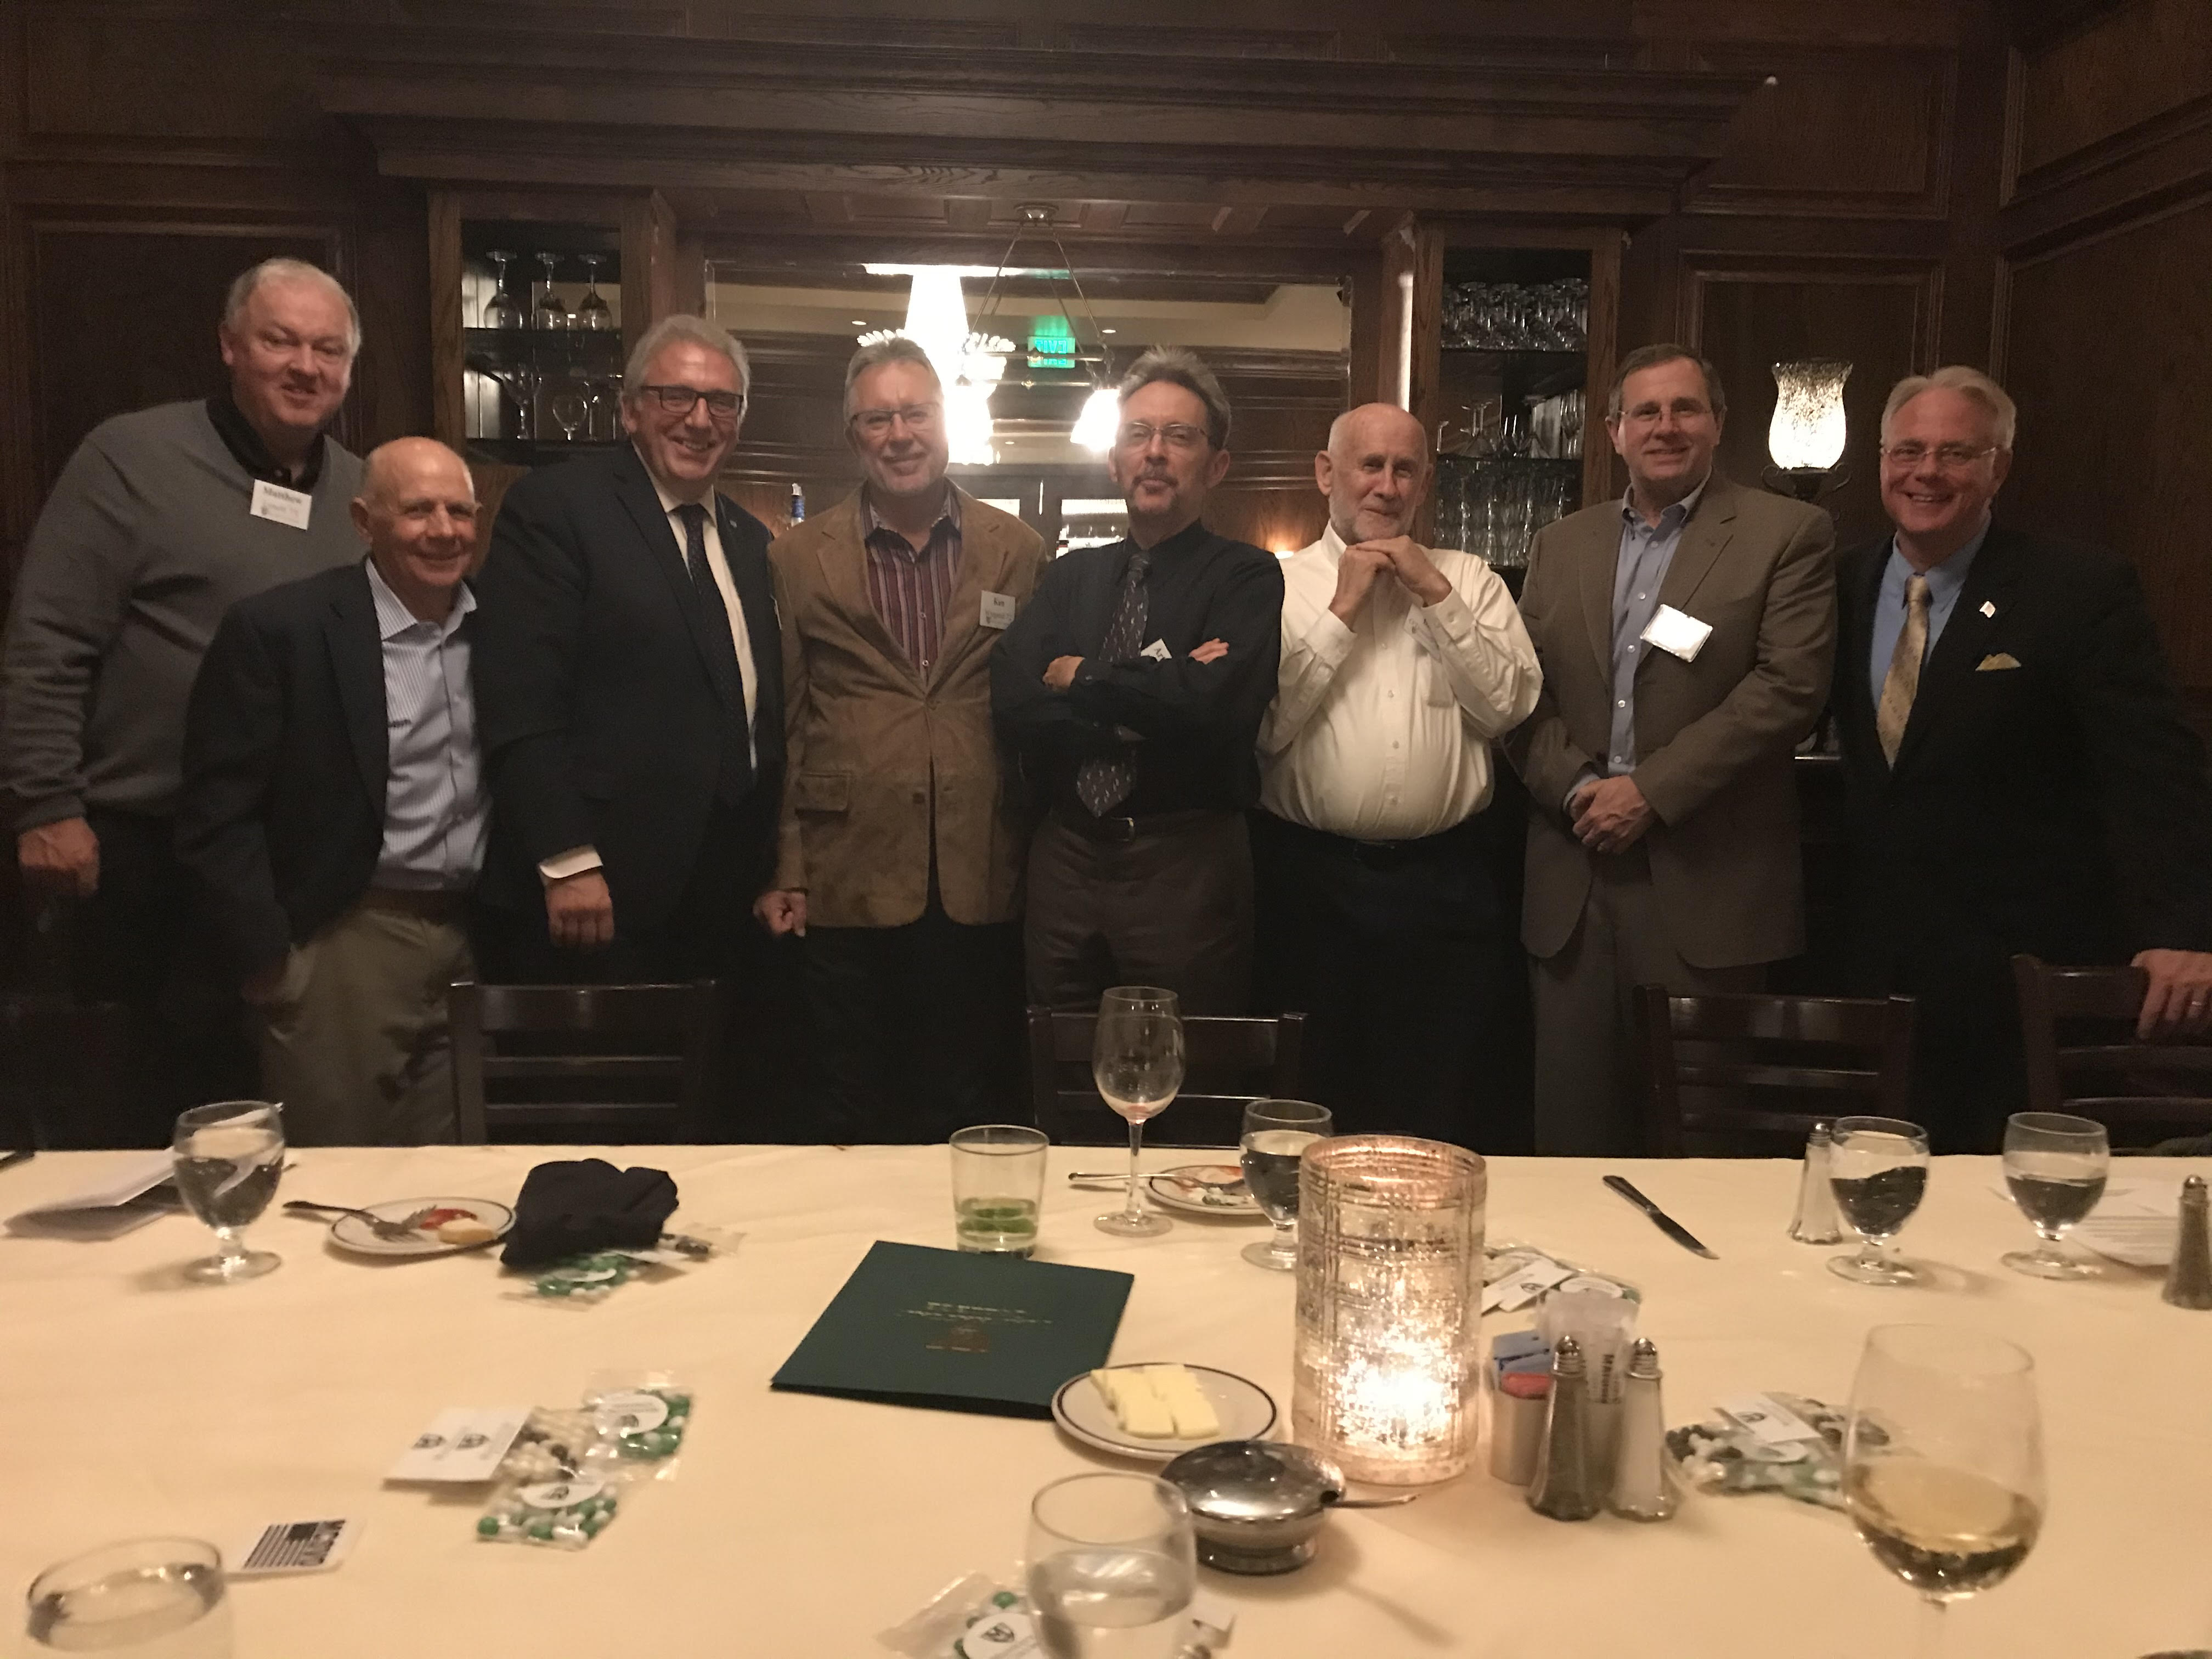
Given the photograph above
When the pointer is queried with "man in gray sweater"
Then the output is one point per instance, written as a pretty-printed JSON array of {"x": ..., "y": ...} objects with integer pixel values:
[{"x": 160, "y": 520}]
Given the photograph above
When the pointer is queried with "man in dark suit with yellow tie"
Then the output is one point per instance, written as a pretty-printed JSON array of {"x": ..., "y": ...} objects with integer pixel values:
[{"x": 2019, "y": 774}]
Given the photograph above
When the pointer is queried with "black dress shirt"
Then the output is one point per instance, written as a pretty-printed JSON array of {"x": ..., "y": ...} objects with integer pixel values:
[
  {"x": 246, "y": 448},
  {"x": 1195, "y": 724}
]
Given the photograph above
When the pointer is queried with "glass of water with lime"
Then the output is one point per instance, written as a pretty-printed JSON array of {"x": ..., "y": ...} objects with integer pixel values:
[{"x": 998, "y": 1182}]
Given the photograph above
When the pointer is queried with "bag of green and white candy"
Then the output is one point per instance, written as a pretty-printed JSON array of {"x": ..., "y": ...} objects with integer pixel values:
[{"x": 563, "y": 1480}]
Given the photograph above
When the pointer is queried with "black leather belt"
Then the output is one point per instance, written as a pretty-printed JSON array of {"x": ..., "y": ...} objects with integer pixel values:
[{"x": 1380, "y": 854}]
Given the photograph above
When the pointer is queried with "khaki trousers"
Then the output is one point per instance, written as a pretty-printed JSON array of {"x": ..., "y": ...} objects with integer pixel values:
[
  {"x": 1588, "y": 1074},
  {"x": 355, "y": 1043}
]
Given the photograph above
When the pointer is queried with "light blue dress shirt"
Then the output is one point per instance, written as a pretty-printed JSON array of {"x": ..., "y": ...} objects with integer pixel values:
[
  {"x": 1945, "y": 581},
  {"x": 434, "y": 798},
  {"x": 1646, "y": 552}
]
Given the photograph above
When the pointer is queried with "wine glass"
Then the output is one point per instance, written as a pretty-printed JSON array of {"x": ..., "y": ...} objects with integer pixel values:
[
  {"x": 593, "y": 311},
  {"x": 150, "y": 1598},
  {"x": 1136, "y": 1059},
  {"x": 501, "y": 310},
  {"x": 605, "y": 391},
  {"x": 1112, "y": 1567},
  {"x": 1276, "y": 1135},
  {"x": 1879, "y": 1168},
  {"x": 2055, "y": 1166},
  {"x": 551, "y": 314},
  {"x": 1944, "y": 1461},
  {"x": 569, "y": 408},
  {"x": 227, "y": 1158}
]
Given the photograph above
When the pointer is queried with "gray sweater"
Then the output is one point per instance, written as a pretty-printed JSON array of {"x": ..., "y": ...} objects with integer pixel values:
[{"x": 145, "y": 542}]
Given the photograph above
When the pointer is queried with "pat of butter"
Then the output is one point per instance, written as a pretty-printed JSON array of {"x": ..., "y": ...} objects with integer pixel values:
[
  {"x": 1140, "y": 1409},
  {"x": 1192, "y": 1412}
]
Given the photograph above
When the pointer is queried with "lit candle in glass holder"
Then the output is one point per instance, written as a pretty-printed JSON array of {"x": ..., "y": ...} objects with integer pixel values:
[
  {"x": 1390, "y": 1300},
  {"x": 1807, "y": 436}
]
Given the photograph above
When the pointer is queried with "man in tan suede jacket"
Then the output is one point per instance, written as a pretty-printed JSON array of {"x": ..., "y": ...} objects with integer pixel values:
[{"x": 900, "y": 857}]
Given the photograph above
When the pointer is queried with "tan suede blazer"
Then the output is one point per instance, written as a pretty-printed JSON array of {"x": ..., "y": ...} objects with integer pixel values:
[
  {"x": 1714, "y": 738},
  {"x": 877, "y": 753}
]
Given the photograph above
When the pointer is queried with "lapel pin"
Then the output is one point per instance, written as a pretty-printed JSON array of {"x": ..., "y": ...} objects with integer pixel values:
[{"x": 1988, "y": 610}]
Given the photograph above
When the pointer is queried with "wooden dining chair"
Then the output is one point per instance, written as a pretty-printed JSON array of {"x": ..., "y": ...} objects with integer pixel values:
[
  {"x": 2078, "y": 1028},
  {"x": 1228, "y": 1063},
  {"x": 610, "y": 1064},
  {"x": 1746, "y": 1074}
]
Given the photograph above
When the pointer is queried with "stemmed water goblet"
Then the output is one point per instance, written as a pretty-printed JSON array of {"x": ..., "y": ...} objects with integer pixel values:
[
  {"x": 520, "y": 382},
  {"x": 569, "y": 408},
  {"x": 551, "y": 314},
  {"x": 500, "y": 311},
  {"x": 1112, "y": 1567},
  {"x": 227, "y": 1158},
  {"x": 593, "y": 311},
  {"x": 1878, "y": 1167},
  {"x": 605, "y": 394},
  {"x": 1276, "y": 1135},
  {"x": 2055, "y": 1166},
  {"x": 1136, "y": 1060}
]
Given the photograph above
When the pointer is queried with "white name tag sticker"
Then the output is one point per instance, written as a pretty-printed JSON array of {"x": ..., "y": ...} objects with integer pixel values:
[
  {"x": 1158, "y": 651},
  {"x": 998, "y": 609},
  {"x": 283, "y": 505},
  {"x": 1676, "y": 634}
]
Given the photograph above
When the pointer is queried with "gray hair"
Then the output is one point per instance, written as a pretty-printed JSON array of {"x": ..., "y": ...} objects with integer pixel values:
[
  {"x": 1970, "y": 383},
  {"x": 1178, "y": 366},
  {"x": 696, "y": 330},
  {"x": 899, "y": 349},
  {"x": 1651, "y": 357},
  {"x": 248, "y": 282}
]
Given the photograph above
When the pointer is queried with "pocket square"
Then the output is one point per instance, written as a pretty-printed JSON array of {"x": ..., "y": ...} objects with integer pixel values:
[{"x": 2000, "y": 660}]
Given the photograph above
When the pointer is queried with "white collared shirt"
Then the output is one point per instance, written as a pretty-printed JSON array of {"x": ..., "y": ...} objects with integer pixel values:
[
  {"x": 1381, "y": 730},
  {"x": 721, "y": 567}
]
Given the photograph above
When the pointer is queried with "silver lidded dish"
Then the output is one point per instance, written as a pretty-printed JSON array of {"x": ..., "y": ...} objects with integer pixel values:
[{"x": 1257, "y": 1506}]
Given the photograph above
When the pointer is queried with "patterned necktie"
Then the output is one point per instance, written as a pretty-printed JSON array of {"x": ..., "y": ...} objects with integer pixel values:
[
  {"x": 1902, "y": 683},
  {"x": 1103, "y": 782},
  {"x": 735, "y": 776}
]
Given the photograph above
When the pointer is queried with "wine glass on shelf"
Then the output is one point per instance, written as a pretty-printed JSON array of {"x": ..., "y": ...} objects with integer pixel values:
[
  {"x": 520, "y": 382},
  {"x": 1878, "y": 1167},
  {"x": 1276, "y": 1135},
  {"x": 2055, "y": 1166},
  {"x": 569, "y": 407},
  {"x": 605, "y": 393},
  {"x": 1136, "y": 1060},
  {"x": 227, "y": 1158},
  {"x": 500, "y": 311},
  {"x": 593, "y": 311},
  {"x": 1112, "y": 1567},
  {"x": 551, "y": 314},
  {"x": 1944, "y": 1461}
]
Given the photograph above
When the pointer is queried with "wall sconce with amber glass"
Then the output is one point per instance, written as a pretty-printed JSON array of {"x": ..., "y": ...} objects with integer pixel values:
[{"x": 1807, "y": 438}]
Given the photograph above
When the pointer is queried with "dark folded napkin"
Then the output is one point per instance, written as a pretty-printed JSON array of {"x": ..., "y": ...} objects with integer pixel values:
[{"x": 583, "y": 1204}]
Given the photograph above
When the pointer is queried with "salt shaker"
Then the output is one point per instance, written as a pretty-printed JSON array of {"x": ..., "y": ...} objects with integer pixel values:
[
  {"x": 2189, "y": 1280},
  {"x": 1816, "y": 1222},
  {"x": 1643, "y": 1481},
  {"x": 1566, "y": 1488}
]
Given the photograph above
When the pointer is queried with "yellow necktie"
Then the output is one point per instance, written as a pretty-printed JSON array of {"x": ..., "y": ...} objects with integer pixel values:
[{"x": 1902, "y": 683}]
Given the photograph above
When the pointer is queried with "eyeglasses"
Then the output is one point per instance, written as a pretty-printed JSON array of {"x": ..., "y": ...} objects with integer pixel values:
[
  {"x": 678, "y": 399},
  {"x": 875, "y": 422},
  {"x": 1682, "y": 409},
  {"x": 1176, "y": 434},
  {"x": 1952, "y": 457}
]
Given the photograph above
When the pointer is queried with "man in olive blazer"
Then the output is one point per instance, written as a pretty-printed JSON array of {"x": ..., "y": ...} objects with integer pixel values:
[
  {"x": 1686, "y": 635},
  {"x": 900, "y": 852}
]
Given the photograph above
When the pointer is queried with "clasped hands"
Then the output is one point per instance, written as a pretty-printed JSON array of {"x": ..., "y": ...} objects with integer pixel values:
[
  {"x": 1610, "y": 814},
  {"x": 1405, "y": 559}
]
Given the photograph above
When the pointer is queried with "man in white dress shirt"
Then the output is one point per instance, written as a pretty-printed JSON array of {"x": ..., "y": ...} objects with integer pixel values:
[{"x": 1377, "y": 913}]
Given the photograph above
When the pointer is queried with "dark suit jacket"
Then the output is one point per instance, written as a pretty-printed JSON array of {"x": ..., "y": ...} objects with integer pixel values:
[
  {"x": 282, "y": 814},
  {"x": 2059, "y": 808},
  {"x": 600, "y": 717}
]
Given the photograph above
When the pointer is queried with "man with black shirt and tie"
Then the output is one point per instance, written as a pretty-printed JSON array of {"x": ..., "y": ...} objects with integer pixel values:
[{"x": 1134, "y": 686}]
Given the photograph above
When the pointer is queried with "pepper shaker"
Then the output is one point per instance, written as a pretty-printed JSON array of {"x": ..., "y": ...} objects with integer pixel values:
[
  {"x": 2189, "y": 1280},
  {"x": 1642, "y": 1482},
  {"x": 1566, "y": 1488},
  {"x": 1816, "y": 1221}
]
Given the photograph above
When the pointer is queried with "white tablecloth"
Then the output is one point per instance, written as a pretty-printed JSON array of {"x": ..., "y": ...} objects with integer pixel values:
[{"x": 800, "y": 1526}]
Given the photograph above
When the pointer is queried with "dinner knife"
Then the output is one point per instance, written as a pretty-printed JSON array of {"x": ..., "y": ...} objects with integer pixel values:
[{"x": 1666, "y": 1223}]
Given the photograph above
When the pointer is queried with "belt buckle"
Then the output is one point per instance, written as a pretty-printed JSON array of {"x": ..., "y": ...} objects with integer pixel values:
[{"x": 1120, "y": 828}]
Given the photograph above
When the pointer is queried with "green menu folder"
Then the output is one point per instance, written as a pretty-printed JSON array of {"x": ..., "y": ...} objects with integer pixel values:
[{"x": 959, "y": 1330}]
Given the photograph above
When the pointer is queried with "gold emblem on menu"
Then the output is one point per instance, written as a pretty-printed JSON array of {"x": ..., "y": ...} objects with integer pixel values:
[{"x": 966, "y": 1337}]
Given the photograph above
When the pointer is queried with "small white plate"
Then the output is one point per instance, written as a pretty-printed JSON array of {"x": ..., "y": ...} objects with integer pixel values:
[
  {"x": 351, "y": 1232},
  {"x": 1245, "y": 1411},
  {"x": 1235, "y": 1203}
]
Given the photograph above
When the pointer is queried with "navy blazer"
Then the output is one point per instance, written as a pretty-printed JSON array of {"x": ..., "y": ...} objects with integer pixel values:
[
  {"x": 281, "y": 818},
  {"x": 600, "y": 716}
]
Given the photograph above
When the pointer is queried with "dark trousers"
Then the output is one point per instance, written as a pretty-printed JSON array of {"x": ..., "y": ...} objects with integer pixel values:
[
  {"x": 138, "y": 941},
  {"x": 1969, "y": 1070},
  {"x": 1392, "y": 951},
  {"x": 1169, "y": 904},
  {"x": 916, "y": 1030}
]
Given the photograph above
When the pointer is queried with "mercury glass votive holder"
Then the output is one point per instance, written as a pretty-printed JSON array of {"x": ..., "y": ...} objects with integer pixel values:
[{"x": 1389, "y": 1301}]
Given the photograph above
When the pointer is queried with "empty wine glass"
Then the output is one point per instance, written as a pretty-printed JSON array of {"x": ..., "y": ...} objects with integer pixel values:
[
  {"x": 1136, "y": 1059},
  {"x": 227, "y": 1158},
  {"x": 1112, "y": 1567},
  {"x": 1276, "y": 1135},
  {"x": 520, "y": 382},
  {"x": 2055, "y": 1166},
  {"x": 605, "y": 391},
  {"x": 500, "y": 311},
  {"x": 551, "y": 314},
  {"x": 1944, "y": 1461},
  {"x": 593, "y": 311},
  {"x": 569, "y": 408},
  {"x": 1879, "y": 1168},
  {"x": 150, "y": 1598}
]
